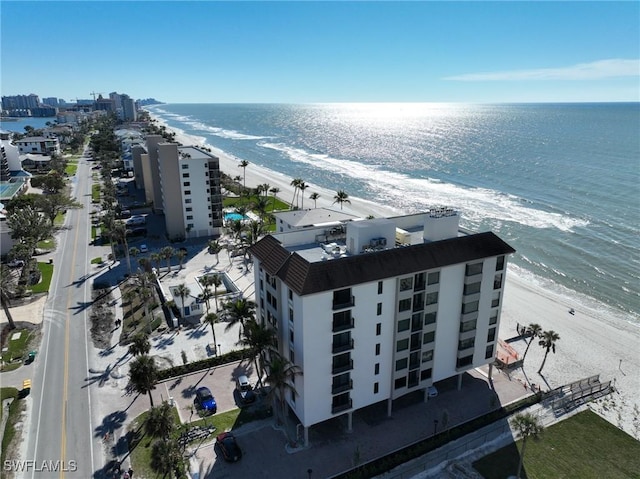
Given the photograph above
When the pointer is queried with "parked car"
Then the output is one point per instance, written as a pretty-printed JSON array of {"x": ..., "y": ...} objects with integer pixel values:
[
  {"x": 245, "y": 390},
  {"x": 15, "y": 263},
  {"x": 205, "y": 400},
  {"x": 125, "y": 214},
  {"x": 136, "y": 220},
  {"x": 432, "y": 391},
  {"x": 144, "y": 248},
  {"x": 136, "y": 232},
  {"x": 228, "y": 447}
]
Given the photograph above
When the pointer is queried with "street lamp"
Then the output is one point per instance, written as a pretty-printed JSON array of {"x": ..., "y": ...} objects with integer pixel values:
[
  {"x": 435, "y": 426},
  {"x": 219, "y": 353},
  {"x": 309, "y": 471}
]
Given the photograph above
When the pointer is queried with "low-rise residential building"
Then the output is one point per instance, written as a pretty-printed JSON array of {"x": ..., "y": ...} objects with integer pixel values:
[
  {"x": 376, "y": 309},
  {"x": 39, "y": 145}
]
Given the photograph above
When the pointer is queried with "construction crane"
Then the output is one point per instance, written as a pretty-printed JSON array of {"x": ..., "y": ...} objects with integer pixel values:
[{"x": 94, "y": 93}]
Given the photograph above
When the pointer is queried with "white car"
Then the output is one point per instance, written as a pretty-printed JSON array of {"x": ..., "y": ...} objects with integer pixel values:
[
  {"x": 432, "y": 391},
  {"x": 143, "y": 248},
  {"x": 15, "y": 263}
]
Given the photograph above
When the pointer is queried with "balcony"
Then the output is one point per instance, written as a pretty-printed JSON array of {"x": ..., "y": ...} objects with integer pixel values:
[
  {"x": 344, "y": 303},
  {"x": 343, "y": 325},
  {"x": 340, "y": 388},
  {"x": 342, "y": 346},
  {"x": 342, "y": 367},
  {"x": 341, "y": 407}
]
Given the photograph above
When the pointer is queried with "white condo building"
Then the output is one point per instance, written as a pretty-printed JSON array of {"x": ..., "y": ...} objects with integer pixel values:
[{"x": 372, "y": 310}]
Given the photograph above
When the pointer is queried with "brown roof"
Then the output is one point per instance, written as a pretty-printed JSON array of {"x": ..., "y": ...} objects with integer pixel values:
[{"x": 308, "y": 278}]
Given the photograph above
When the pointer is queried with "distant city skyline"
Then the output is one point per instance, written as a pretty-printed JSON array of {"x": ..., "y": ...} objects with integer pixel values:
[{"x": 316, "y": 52}]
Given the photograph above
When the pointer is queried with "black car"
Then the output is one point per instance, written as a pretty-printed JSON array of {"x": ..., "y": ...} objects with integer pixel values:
[{"x": 228, "y": 447}]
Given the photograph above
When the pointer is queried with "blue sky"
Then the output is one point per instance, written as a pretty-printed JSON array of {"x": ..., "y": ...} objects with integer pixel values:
[{"x": 298, "y": 52}]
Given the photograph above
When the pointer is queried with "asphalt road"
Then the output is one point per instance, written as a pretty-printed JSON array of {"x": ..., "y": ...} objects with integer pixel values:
[{"x": 62, "y": 438}]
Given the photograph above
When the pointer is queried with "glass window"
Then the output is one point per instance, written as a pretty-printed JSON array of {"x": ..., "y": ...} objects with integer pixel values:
[
  {"x": 495, "y": 302},
  {"x": 379, "y": 287},
  {"x": 402, "y": 345},
  {"x": 378, "y": 349},
  {"x": 472, "y": 288},
  {"x": 468, "y": 326},
  {"x": 403, "y": 325},
  {"x": 426, "y": 374},
  {"x": 500, "y": 263},
  {"x": 185, "y": 175},
  {"x": 489, "y": 352},
  {"x": 186, "y": 183},
  {"x": 379, "y": 309},
  {"x": 470, "y": 307},
  {"x": 429, "y": 337},
  {"x": 378, "y": 329},
  {"x": 418, "y": 302},
  {"x": 400, "y": 383},
  {"x": 492, "y": 335},
  {"x": 473, "y": 269},
  {"x": 376, "y": 369},
  {"x": 185, "y": 166},
  {"x": 493, "y": 319},
  {"x": 432, "y": 298},
  {"x": 189, "y": 217},
  {"x": 433, "y": 278},
  {"x": 430, "y": 318},
  {"x": 427, "y": 356},
  {"x": 404, "y": 305},
  {"x": 466, "y": 343},
  {"x": 406, "y": 284},
  {"x": 401, "y": 364},
  {"x": 375, "y": 388},
  {"x": 466, "y": 361}
]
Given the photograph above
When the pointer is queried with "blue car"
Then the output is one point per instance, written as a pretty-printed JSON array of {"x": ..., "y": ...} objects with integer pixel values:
[{"x": 205, "y": 400}]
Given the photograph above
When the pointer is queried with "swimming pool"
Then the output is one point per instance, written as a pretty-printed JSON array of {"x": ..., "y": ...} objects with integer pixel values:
[{"x": 234, "y": 217}]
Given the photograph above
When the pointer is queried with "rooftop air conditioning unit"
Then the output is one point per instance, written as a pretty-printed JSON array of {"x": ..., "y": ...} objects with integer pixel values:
[
  {"x": 382, "y": 241},
  {"x": 375, "y": 242}
]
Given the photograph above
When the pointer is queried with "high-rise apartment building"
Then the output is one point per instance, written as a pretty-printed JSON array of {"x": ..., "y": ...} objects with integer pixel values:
[{"x": 372, "y": 310}]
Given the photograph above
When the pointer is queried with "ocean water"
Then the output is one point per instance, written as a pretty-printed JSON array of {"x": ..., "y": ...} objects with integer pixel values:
[{"x": 559, "y": 182}]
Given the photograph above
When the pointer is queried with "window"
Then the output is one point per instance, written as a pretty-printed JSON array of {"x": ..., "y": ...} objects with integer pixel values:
[
  {"x": 342, "y": 299},
  {"x": 470, "y": 307},
  {"x": 400, "y": 383},
  {"x": 426, "y": 374},
  {"x": 189, "y": 208},
  {"x": 466, "y": 343},
  {"x": 291, "y": 336},
  {"x": 379, "y": 309},
  {"x": 414, "y": 360},
  {"x": 401, "y": 364},
  {"x": 473, "y": 269},
  {"x": 185, "y": 166},
  {"x": 376, "y": 369},
  {"x": 379, "y": 287},
  {"x": 418, "y": 302},
  {"x": 190, "y": 225},
  {"x": 403, "y": 325},
  {"x": 497, "y": 281},
  {"x": 495, "y": 302},
  {"x": 185, "y": 175},
  {"x": 402, "y": 344},
  {"x": 433, "y": 278},
  {"x": 406, "y": 284},
  {"x": 489, "y": 352},
  {"x": 468, "y": 326},
  {"x": 420, "y": 282},
  {"x": 404, "y": 305},
  {"x": 189, "y": 217},
  {"x": 186, "y": 183},
  {"x": 187, "y": 192},
  {"x": 378, "y": 349},
  {"x": 291, "y": 295},
  {"x": 291, "y": 315},
  {"x": 429, "y": 337},
  {"x": 466, "y": 361},
  {"x": 472, "y": 288},
  {"x": 187, "y": 200},
  {"x": 375, "y": 388},
  {"x": 413, "y": 378},
  {"x": 378, "y": 329},
  {"x": 499, "y": 263},
  {"x": 430, "y": 318},
  {"x": 492, "y": 335},
  {"x": 415, "y": 341},
  {"x": 432, "y": 298},
  {"x": 427, "y": 356},
  {"x": 416, "y": 322},
  {"x": 493, "y": 319}
]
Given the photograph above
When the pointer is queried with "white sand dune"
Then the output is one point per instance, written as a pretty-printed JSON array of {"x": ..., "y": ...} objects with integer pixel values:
[{"x": 589, "y": 344}]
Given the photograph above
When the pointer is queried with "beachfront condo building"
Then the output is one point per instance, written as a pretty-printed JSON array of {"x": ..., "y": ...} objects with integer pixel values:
[
  {"x": 372, "y": 310},
  {"x": 183, "y": 182}
]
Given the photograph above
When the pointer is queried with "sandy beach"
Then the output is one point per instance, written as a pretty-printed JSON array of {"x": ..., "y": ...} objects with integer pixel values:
[{"x": 590, "y": 343}]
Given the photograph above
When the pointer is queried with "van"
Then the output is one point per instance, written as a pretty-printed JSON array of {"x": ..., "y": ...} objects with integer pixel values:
[{"x": 244, "y": 388}]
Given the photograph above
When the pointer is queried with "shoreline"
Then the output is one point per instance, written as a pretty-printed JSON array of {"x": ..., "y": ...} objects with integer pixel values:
[{"x": 590, "y": 343}]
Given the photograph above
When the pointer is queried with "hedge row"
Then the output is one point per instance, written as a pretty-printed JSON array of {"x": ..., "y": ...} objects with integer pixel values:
[
  {"x": 386, "y": 463},
  {"x": 196, "y": 366}
]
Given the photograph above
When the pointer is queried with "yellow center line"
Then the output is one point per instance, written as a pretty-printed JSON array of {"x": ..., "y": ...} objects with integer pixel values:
[{"x": 63, "y": 434}]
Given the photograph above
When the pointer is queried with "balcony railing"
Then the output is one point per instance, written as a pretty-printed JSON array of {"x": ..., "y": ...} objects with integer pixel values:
[
  {"x": 342, "y": 367},
  {"x": 342, "y": 303},
  {"x": 341, "y": 407},
  {"x": 342, "y": 346},
  {"x": 342, "y": 325},
  {"x": 340, "y": 388}
]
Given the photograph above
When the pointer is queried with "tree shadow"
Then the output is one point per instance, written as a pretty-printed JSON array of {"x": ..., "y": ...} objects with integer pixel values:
[
  {"x": 99, "y": 378},
  {"x": 110, "y": 423},
  {"x": 81, "y": 306}
]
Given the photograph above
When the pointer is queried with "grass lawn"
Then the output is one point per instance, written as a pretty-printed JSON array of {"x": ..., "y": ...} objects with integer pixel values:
[
  {"x": 16, "y": 348},
  {"x": 59, "y": 219},
  {"x": 49, "y": 243},
  {"x": 95, "y": 193},
  {"x": 47, "y": 272},
  {"x": 584, "y": 446},
  {"x": 71, "y": 168},
  {"x": 14, "y": 413}
]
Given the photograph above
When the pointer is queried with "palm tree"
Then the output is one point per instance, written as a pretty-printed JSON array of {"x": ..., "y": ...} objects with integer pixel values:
[
  {"x": 257, "y": 339},
  {"x": 216, "y": 282},
  {"x": 215, "y": 248},
  {"x": 341, "y": 197},
  {"x": 243, "y": 164},
  {"x": 302, "y": 186},
  {"x": 314, "y": 196},
  {"x": 140, "y": 345},
  {"x": 256, "y": 229},
  {"x": 167, "y": 458},
  {"x": 296, "y": 184},
  {"x": 261, "y": 205},
  {"x": 211, "y": 319},
  {"x": 534, "y": 329},
  {"x": 5, "y": 294},
  {"x": 526, "y": 425},
  {"x": 265, "y": 188},
  {"x": 274, "y": 191},
  {"x": 206, "y": 296},
  {"x": 143, "y": 375},
  {"x": 280, "y": 375},
  {"x": 239, "y": 311},
  {"x": 156, "y": 257},
  {"x": 181, "y": 254},
  {"x": 183, "y": 291},
  {"x": 167, "y": 253},
  {"x": 548, "y": 342},
  {"x": 160, "y": 422},
  {"x": 119, "y": 232}
]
